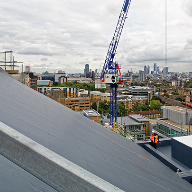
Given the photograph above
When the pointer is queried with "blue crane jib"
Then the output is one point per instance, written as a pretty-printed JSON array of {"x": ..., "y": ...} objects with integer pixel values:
[
  {"x": 109, "y": 65},
  {"x": 111, "y": 69}
]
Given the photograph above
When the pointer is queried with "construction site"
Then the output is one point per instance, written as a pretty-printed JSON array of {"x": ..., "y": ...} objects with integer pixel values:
[{"x": 56, "y": 142}]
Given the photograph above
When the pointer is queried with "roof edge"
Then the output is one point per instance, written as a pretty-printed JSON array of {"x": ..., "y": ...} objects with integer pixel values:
[{"x": 53, "y": 169}]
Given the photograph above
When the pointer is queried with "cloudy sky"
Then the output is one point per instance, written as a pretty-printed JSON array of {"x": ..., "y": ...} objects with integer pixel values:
[{"x": 67, "y": 34}]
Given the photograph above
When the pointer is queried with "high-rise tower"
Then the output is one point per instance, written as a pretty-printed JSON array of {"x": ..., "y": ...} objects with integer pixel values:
[{"x": 86, "y": 70}]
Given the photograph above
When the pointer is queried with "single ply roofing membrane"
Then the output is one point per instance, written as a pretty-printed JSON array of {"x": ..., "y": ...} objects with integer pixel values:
[
  {"x": 82, "y": 141},
  {"x": 14, "y": 178}
]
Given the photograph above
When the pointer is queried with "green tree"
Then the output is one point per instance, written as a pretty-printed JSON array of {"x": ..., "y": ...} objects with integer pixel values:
[
  {"x": 55, "y": 83},
  {"x": 155, "y": 104},
  {"x": 174, "y": 93},
  {"x": 142, "y": 107},
  {"x": 94, "y": 106},
  {"x": 156, "y": 98},
  {"x": 121, "y": 109},
  {"x": 142, "y": 84},
  {"x": 104, "y": 106},
  {"x": 87, "y": 86},
  {"x": 180, "y": 99}
]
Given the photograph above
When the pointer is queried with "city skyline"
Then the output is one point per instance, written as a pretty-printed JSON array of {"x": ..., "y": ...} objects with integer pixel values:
[{"x": 67, "y": 35}]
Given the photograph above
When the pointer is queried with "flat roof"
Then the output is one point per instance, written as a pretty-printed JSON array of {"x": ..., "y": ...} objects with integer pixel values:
[
  {"x": 139, "y": 88},
  {"x": 138, "y": 117},
  {"x": 186, "y": 140},
  {"x": 154, "y": 121},
  {"x": 128, "y": 121},
  {"x": 91, "y": 112},
  {"x": 177, "y": 108}
]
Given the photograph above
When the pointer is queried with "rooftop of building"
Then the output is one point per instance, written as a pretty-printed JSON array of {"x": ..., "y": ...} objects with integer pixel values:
[
  {"x": 91, "y": 112},
  {"x": 177, "y": 108},
  {"x": 153, "y": 121},
  {"x": 187, "y": 140},
  {"x": 139, "y": 88},
  {"x": 77, "y": 98},
  {"x": 139, "y": 117},
  {"x": 128, "y": 121},
  {"x": 151, "y": 112}
]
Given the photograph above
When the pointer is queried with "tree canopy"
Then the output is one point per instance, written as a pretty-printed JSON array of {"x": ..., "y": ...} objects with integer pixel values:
[
  {"x": 156, "y": 98},
  {"x": 155, "y": 104},
  {"x": 105, "y": 107},
  {"x": 142, "y": 107}
]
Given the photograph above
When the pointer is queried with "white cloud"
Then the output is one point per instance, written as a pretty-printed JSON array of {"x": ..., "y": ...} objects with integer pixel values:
[{"x": 72, "y": 33}]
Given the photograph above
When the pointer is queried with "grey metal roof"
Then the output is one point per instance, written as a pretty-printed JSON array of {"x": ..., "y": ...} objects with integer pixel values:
[
  {"x": 139, "y": 117},
  {"x": 128, "y": 121},
  {"x": 91, "y": 112},
  {"x": 139, "y": 88},
  {"x": 87, "y": 144},
  {"x": 14, "y": 178}
]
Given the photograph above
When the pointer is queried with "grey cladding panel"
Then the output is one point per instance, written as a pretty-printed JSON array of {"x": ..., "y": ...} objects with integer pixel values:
[{"x": 82, "y": 141}]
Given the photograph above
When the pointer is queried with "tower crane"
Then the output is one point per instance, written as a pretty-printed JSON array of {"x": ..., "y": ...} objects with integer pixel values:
[{"x": 111, "y": 70}]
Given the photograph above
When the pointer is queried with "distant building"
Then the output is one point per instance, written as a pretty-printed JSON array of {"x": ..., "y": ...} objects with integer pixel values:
[
  {"x": 86, "y": 70},
  {"x": 145, "y": 69},
  {"x": 99, "y": 95},
  {"x": 58, "y": 75},
  {"x": 174, "y": 121},
  {"x": 157, "y": 70},
  {"x": 64, "y": 92},
  {"x": 155, "y": 66},
  {"x": 190, "y": 74},
  {"x": 188, "y": 99},
  {"x": 177, "y": 83},
  {"x": 165, "y": 70},
  {"x": 152, "y": 114},
  {"x": 136, "y": 125},
  {"x": 21, "y": 77},
  {"x": 142, "y": 76},
  {"x": 62, "y": 79},
  {"x": 92, "y": 114},
  {"x": 49, "y": 76},
  {"x": 33, "y": 83},
  {"x": 148, "y": 70},
  {"x": 93, "y": 75},
  {"x": 44, "y": 83},
  {"x": 27, "y": 69},
  {"x": 76, "y": 104},
  {"x": 80, "y": 80}
]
